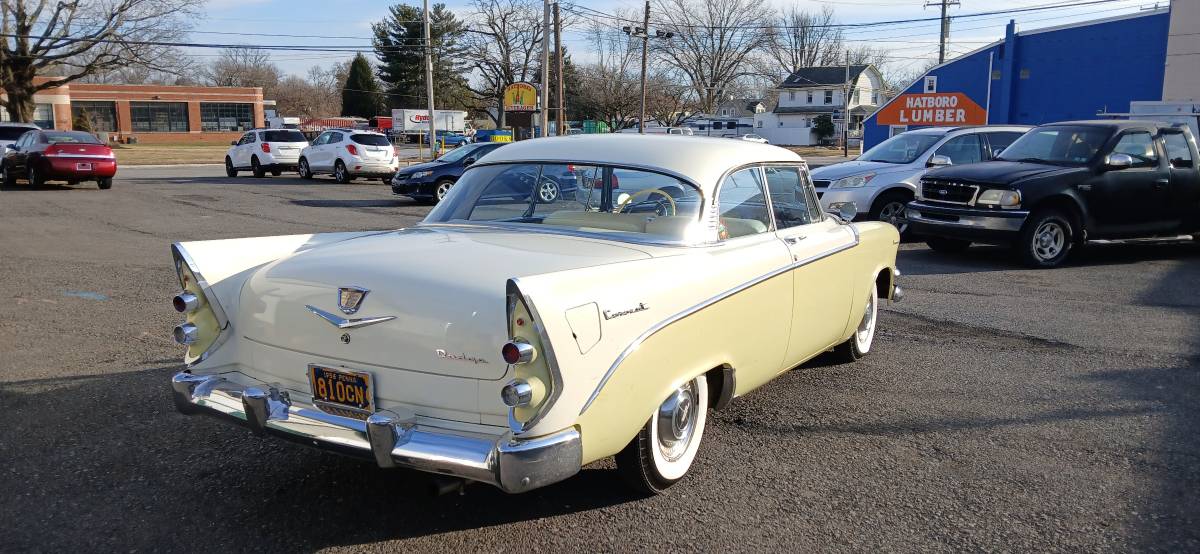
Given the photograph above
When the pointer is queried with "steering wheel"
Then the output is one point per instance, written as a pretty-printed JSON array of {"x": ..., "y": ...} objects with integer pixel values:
[{"x": 647, "y": 193}]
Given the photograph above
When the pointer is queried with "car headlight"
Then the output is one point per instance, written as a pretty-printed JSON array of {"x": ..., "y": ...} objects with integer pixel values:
[
  {"x": 999, "y": 197},
  {"x": 421, "y": 174},
  {"x": 853, "y": 182}
]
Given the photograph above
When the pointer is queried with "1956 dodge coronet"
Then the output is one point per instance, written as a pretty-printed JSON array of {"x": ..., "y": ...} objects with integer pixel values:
[{"x": 510, "y": 340}]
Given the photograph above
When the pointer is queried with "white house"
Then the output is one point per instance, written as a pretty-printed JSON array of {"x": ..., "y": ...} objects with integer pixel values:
[{"x": 815, "y": 91}]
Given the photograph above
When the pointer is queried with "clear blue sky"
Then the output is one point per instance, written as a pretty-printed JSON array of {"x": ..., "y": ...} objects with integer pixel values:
[{"x": 909, "y": 44}]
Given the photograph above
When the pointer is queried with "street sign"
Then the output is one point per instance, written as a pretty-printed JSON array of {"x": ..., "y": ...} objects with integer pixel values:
[{"x": 936, "y": 109}]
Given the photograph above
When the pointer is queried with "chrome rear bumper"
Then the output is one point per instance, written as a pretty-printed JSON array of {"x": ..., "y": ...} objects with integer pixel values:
[{"x": 512, "y": 464}]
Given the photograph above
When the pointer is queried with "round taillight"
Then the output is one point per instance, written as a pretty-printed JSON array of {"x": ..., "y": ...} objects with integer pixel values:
[
  {"x": 185, "y": 302},
  {"x": 186, "y": 334},
  {"x": 516, "y": 393},
  {"x": 517, "y": 352}
]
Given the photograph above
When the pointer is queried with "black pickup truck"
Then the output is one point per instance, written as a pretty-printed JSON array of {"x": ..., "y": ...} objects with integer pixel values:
[{"x": 1062, "y": 184}]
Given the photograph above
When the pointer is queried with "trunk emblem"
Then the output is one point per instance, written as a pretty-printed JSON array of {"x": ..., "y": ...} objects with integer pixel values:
[{"x": 349, "y": 298}]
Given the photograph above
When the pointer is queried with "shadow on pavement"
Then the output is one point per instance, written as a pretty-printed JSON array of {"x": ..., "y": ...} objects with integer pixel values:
[
  {"x": 333, "y": 203},
  {"x": 127, "y": 467},
  {"x": 979, "y": 258}
]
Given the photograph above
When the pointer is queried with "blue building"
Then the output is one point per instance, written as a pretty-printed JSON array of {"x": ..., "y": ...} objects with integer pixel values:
[{"x": 1073, "y": 71}]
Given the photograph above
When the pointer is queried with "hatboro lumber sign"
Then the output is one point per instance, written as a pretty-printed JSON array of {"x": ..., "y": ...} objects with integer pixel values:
[{"x": 935, "y": 109}]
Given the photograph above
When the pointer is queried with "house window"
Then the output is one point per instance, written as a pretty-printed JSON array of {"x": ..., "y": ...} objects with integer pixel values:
[
  {"x": 931, "y": 84},
  {"x": 829, "y": 97},
  {"x": 857, "y": 95},
  {"x": 810, "y": 100},
  {"x": 781, "y": 123},
  {"x": 758, "y": 124},
  {"x": 43, "y": 115},
  {"x": 875, "y": 98},
  {"x": 792, "y": 96},
  {"x": 102, "y": 116},
  {"x": 159, "y": 117},
  {"x": 226, "y": 117}
]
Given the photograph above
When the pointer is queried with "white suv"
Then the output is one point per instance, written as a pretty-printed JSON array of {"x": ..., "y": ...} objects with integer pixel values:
[
  {"x": 263, "y": 150},
  {"x": 347, "y": 153}
]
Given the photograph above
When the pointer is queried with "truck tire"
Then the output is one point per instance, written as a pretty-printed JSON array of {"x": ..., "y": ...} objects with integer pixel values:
[{"x": 1046, "y": 239}]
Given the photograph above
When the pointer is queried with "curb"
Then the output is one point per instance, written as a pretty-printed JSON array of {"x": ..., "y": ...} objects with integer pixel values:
[{"x": 162, "y": 166}]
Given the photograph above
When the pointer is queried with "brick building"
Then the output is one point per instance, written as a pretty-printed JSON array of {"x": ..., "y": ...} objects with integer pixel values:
[{"x": 152, "y": 113}]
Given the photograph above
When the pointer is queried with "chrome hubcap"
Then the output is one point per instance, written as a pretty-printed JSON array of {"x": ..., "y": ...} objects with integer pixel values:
[
  {"x": 442, "y": 190},
  {"x": 548, "y": 192},
  {"x": 341, "y": 172},
  {"x": 676, "y": 421},
  {"x": 1049, "y": 240},
  {"x": 893, "y": 213}
]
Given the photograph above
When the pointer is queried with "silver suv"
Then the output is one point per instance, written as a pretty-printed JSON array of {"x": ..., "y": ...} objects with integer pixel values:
[
  {"x": 347, "y": 154},
  {"x": 880, "y": 182}
]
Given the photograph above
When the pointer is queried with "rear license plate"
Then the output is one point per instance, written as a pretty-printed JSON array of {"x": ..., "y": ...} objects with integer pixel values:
[
  {"x": 87, "y": 166},
  {"x": 338, "y": 390}
]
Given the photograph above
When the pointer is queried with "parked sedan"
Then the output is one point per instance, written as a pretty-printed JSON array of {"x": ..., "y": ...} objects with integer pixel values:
[
  {"x": 755, "y": 138},
  {"x": 431, "y": 181},
  {"x": 511, "y": 341},
  {"x": 71, "y": 156}
]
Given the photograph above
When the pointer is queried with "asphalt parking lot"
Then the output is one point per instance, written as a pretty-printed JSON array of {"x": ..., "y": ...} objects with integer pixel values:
[{"x": 1001, "y": 408}]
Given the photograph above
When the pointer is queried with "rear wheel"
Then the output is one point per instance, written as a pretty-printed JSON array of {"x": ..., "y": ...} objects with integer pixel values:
[
  {"x": 947, "y": 246},
  {"x": 663, "y": 451},
  {"x": 230, "y": 171},
  {"x": 890, "y": 208},
  {"x": 104, "y": 183},
  {"x": 859, "y": 344},
  {"x": 303, "y": 169},
  {"x": 341, "y": 174},
  {"x": 256, "y": 168},
  {"x": 1046, "y": 239},
  {"x": 35, "y": 177}
]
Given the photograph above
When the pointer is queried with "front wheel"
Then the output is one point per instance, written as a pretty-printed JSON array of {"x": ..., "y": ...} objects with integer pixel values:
[
  {"x": 341, "y": 174},
  {"x": 664, "y": 449},
  {"x": 859, "y": 344},
  {"x": 441, "y": 189},
  {"x": 303, "y": 169},
  {"x": 547, "y": 191},
  {"x": 230, "y": 171},
  {"x": 104, "y": 183},
  {"x": 890, "y": 208},
  {"x": 1046, "y": 239}
]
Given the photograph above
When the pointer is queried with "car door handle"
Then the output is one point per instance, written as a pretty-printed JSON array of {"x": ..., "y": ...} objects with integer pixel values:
[
  {"x": 793, "y": 240},
  {"x": 1160, "y": 183}
]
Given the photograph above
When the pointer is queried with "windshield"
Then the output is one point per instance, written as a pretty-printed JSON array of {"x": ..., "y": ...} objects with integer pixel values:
[
  {"x": 70, "y": 136},
  {"x": 588, "y": 198},
  {"x": 1057, "y": 145},
  {"x": 459, "y": 153},
  {"x": 900, "y": 149},
  {"x": 283, "y": 136},
  {"x": 370, "y": 140}
]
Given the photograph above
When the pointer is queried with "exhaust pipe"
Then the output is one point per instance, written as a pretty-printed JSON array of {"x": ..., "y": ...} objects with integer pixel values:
[
  {"x": 441, "y": 485},
  {"x": 186, "y": 334}
]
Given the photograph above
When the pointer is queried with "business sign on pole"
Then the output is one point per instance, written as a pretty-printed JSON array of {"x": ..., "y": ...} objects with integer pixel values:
[
  {"x": 520, "y": 97},
  {"x": 934, "y": 109}
]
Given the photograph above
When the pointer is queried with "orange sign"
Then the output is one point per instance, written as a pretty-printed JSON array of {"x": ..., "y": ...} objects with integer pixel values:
[
  {"x": 935, "y": 109},
  {"x": 520, "y": 97}
]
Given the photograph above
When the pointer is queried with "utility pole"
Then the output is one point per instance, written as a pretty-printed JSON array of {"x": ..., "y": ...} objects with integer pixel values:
[
  {"x": 545, "y": 68},
  {"x": 846, "y": 110},
  {"x": 945, "y": 34},
  {"x": 645, "y": 52},
  {"x": 429, "y": 84},
  {"x": 558, "y": 54}
]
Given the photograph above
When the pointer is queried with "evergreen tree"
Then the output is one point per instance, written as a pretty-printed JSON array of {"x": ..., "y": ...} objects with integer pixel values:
[
  {"x": 361, "y": 95},
  {"x": 400, "y": 45}
]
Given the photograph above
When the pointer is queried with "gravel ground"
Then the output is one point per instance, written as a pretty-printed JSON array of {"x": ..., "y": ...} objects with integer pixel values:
[{"x": 1000, "y": 409}]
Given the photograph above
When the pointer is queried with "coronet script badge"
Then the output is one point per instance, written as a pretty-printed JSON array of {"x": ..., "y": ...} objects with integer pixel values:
[{"x": 349, "y": 298}]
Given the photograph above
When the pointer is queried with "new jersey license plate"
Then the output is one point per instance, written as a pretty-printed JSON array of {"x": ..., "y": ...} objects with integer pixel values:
[{"x": 337, "y": 390}]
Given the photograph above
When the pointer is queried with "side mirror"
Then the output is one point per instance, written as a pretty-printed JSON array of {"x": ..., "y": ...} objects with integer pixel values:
[
  {"x": 11, "y": 147},
  {"x": 1118, "y": 161},
  {"x": 939, "y": 160},
  {"x": 233, "y": 143},
  {"x": 845, "y": 211},
  {"x": 468, "y": 161}
]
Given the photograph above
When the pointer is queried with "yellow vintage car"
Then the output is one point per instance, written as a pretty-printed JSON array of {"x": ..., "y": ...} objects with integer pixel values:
[{"x": 512, "y": 337}]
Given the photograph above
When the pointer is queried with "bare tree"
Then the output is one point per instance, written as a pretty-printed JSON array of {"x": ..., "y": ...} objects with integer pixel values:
[
  {"x": 243, "y": 67},
  {"x": 804, "y": 39},
  {"x": 714, "y": 41},
  {"x": 669, "y": 100},
  {"x": 506, "y": 45},
  {"x": 610, "y": 90},
  {"x": 69, "y": 40}
]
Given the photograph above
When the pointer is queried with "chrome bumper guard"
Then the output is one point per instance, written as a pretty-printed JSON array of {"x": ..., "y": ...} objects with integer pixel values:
[{"x": 512, "y": 464}]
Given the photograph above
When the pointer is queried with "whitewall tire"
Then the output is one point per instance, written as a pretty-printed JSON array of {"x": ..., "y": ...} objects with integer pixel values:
[
  {"x": 859, "y": 344},
  {"x": 663, "y": 451}
]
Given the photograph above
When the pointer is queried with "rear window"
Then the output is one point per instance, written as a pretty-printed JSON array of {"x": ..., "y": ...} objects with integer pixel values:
[
  {"x": 283, "y": 136},
  {"x": 13, "y": 133},
  {"x": 77, "y": 137},
  {"x": 371, "y": 140}
]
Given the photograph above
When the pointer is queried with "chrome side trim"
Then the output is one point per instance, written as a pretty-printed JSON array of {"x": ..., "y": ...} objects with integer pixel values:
[
  {"x": 343, "y": 323},
  {"x": 88, "y": 156},
  {"x": 556, "y": 380},
  {"x": 633, "y": 346}
]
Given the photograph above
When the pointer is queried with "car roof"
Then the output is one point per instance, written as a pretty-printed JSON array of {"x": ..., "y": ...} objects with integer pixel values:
[
  {"x": 975, "y": 128},
  {"x": 1112, "y": 123},
  {"x": 701, "y": 160},
  {"x": 18, "y": 124}
]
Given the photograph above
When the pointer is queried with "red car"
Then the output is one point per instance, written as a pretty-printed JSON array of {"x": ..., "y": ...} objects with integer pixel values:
[{"x": 48, "y": 155}]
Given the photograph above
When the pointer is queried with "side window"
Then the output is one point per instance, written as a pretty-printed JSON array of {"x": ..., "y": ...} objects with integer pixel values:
[
  {"x": 247, "y": 138},
  {"x": 1000, "y": 141},
  {"x": 789, "y": 199},
  {"x": 334, "y": 138},
  {"x": 1178, "y": 152},
  {"x": 742, "y": 205},
  {"x": 321, "y": 139},
  {"x": 962, "y": 150},
  {"x": 1140, "y": 147}
]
